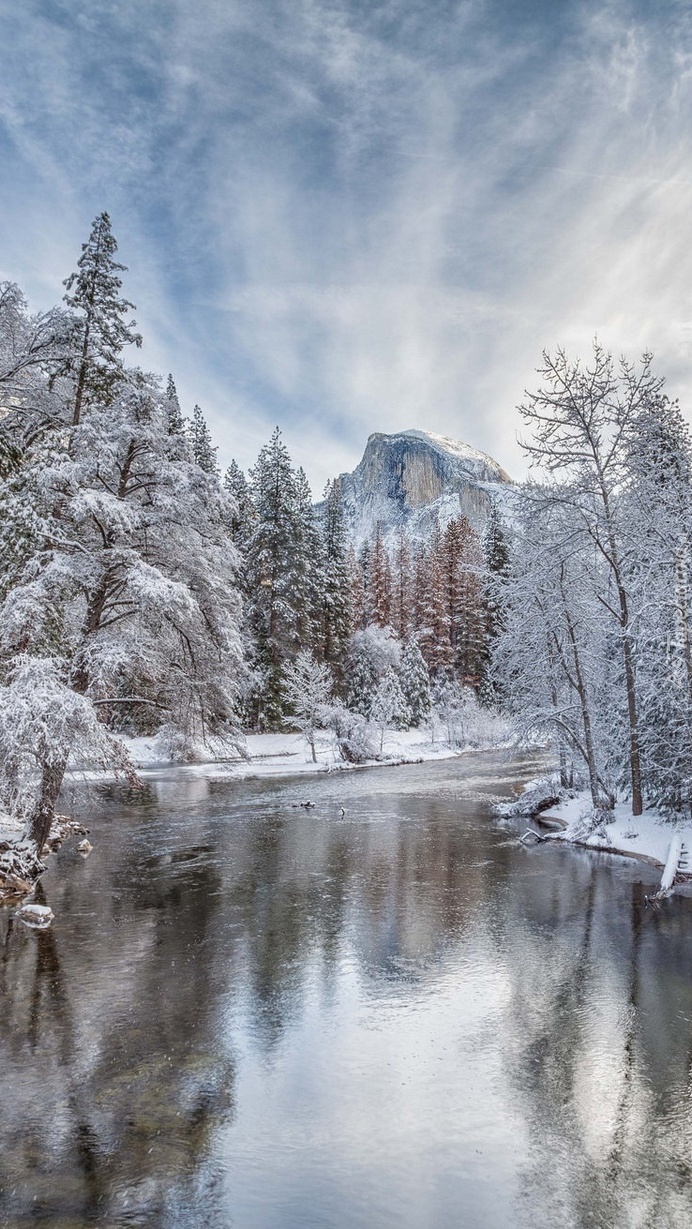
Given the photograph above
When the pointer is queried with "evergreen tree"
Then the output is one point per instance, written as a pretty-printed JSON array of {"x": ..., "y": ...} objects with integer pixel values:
[
  {"x": 242, "y": 517},
  {"x": 361, "y": 683},
  {"x": 402, "y": 584},
  {"x": 273, "y": 575},
  {"x": 380, "y": 581},
  {"x": 174, "y": 416},
  {"x": 99, "y": 333},
  {"x": 496, "y": 575},
  {"x": 432, "y": 607},
  {"x": 469, "y": 623},
  {"x": 357, "y": 591},
  {"x": 389, "y": 707},
  {"x": 371, "y": 653},
  {"x": 309, "y": 567},
  {"x": 415, "y": 682},
  {"x": 365, "y": 578},
  {"x": 337, "y": 592},
  {"x": 203, "y": 450}
]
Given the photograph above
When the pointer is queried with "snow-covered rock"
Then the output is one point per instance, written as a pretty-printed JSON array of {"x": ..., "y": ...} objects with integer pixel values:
[
  {"x": 418, "y": 479},
  {"x": 38, "y": 916}
]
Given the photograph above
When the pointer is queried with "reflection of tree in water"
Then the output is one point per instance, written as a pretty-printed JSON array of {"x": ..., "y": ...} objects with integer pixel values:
[
  {"x": 304, "y": 893},
  {"x": 279, "y": 909},
  {"x": 590, "y": 1017},
  {"x": 116, "y": 1108}
]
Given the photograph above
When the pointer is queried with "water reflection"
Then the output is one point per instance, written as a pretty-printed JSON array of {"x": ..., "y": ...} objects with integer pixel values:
[
  {"x": 117, "y": 1083},
  {"x": 254, "y": 1015}
]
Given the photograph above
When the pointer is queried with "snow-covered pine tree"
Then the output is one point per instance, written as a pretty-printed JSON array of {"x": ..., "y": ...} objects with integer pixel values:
[
  {"x": 237, "y": 486},
  {"x": 389, "y": 707},
  {"x": 415, "y": 682},
  {"x": 309, "y": 567},
  {"x": 337, "y": 591},
  {"x": 361, "y": 680},
  {"x": 468, "y": 625},
  {"x": 371, "y": 652},
  {"x": 203, "y": 449},
  {"x": 365, "y": 578},
  {"x": 401, "y": 576},
  {"x": 453, "y": 586},
  {"x": 272, "y": 576},
  {"x": 432, "y": 624},
  {"x": 380, "y": 580},
  {"x": 357, "y": 591},
  {"x": 495, "y": 576},
  {"x": 98, "y": 332},
  {"x": 174, "y": 414}
]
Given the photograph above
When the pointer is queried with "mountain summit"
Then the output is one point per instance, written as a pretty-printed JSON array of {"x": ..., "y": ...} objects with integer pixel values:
[{"x": 415, "y": 479}]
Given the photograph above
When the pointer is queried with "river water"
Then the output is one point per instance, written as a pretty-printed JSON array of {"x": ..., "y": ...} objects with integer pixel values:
[{"x": 253, "y": 1015}]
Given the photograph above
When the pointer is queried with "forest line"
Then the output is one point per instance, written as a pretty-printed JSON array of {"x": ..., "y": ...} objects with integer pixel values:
[{"x": 143, "y": 591}]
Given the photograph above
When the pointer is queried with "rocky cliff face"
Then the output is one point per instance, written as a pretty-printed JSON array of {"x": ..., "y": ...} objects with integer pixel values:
[{"x": 416, "y": 479}]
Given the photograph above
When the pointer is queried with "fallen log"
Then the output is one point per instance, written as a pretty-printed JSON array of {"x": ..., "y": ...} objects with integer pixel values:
[{"x": 532, "y": 835}]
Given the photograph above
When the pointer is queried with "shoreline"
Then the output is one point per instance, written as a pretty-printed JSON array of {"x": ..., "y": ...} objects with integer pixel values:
[
  {"x": 280, "y": 755},
  {"x": 646, "y": 838},
  {"x": 636, "y": 855}
]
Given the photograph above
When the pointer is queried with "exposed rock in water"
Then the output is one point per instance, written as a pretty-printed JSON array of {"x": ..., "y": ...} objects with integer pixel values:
[
  {"x": 416, "y": 479},
  {"x": 61, "y": 828},
  {"x": 20, "y": 864},
  {"x": 85, "y": 847},
  {"x": 37, "y": 916},
  {"x": 20, "y": 867}
]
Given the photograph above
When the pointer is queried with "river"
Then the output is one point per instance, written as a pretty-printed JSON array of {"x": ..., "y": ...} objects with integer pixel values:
[{"x": 252, "y": 1015}]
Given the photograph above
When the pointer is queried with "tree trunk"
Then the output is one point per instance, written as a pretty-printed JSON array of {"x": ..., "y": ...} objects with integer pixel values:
[
  {"x": 81, "y": 378},
  {"x": 38, "y": 824},
  {"x": 635, "y": 763},
  {"x": 682, "y": 620},
  {"x": 580, "y": 686},
  {"x": 614, "y": 560}
]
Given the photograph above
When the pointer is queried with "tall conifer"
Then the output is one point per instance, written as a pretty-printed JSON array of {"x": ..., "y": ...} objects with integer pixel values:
[{"x": 99, "y": 333}]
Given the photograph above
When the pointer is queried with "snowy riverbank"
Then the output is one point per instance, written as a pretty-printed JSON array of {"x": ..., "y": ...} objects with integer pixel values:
[
  {"x": 278, "y": 755},
  {"x": 647, "y": 836}
]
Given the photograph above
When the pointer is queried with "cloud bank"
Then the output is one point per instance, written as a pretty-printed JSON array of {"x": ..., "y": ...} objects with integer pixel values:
[{"x": 350, "y": 216}]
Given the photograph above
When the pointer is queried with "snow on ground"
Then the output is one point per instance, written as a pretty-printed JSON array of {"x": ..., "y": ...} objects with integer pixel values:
[
  {"x": 647, "y": 836},
  {"x": 9, "y": 828},
  {"x": 278, "y": 755}
]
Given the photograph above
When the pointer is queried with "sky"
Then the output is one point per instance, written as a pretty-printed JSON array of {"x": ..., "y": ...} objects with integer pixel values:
[{"x": 347, "y": 216}]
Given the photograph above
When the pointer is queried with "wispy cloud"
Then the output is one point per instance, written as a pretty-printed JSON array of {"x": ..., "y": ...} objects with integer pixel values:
[{"x": 347, "y": 217}]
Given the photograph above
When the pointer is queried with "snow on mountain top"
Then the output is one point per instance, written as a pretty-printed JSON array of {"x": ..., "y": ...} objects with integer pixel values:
[{"x": 451, "y": 447}]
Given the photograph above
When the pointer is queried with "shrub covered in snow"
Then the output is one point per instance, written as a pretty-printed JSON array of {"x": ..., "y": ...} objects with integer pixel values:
[{"x": 354, "y": 735}]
